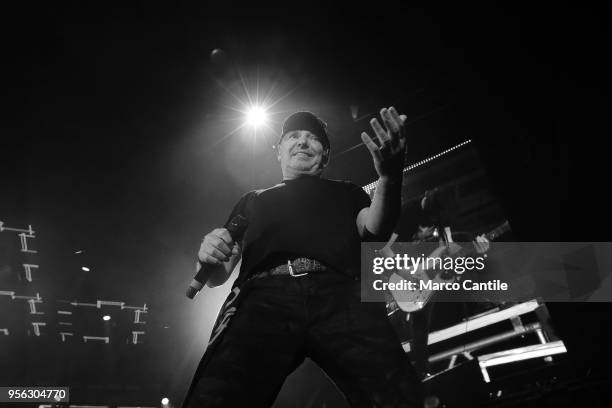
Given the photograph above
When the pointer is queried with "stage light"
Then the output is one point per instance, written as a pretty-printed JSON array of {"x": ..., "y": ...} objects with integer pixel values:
[
  {"x": 354, "y": 112},
  {"x": 106, "y": 318},
  {"x": 369, "y": 187},
  {"x": 218, "y": 57},
  {"x": 256, "y": 116},
  {"x": 85, "y": 269},
  {"x": 165, "y": 401}
]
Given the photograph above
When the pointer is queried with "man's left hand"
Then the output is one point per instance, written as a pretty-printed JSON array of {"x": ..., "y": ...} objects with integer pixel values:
[
  {"x": 481, "y": 244},
  {"x": 389, "y": 156}
]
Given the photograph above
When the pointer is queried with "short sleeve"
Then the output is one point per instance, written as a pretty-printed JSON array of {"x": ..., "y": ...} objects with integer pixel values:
[{"x": 244, "y": 207}]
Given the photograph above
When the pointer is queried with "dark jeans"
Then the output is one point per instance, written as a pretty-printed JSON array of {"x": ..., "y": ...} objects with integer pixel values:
[{"x": 280, "y": 320}]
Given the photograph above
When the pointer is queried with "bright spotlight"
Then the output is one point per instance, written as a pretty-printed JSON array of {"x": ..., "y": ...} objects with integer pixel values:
[
  {"x": 165, "y": 401},
  {"x": 256, "y": 116},
  {"x": 106, "y": 318},
  {"x": 85, "y": 269}
]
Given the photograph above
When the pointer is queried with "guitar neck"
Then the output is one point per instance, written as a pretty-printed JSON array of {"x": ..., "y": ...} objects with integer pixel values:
[{"x": 497, "y": 232}]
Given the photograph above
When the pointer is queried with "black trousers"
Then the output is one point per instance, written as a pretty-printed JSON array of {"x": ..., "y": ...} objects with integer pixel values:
[{"x": 265, "y": 333}]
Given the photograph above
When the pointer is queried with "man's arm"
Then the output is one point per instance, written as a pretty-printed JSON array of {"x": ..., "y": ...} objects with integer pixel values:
[{"x": 381, "y": 216}]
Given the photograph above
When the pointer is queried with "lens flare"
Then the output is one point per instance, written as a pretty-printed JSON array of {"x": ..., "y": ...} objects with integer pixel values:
[{"x": 256, "y": 116}]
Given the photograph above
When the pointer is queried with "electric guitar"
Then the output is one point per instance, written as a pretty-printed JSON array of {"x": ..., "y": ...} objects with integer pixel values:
[{"x": 414, "y": 300}]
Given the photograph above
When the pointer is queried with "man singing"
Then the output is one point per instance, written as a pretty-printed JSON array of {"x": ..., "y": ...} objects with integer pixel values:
[{"x": 298, "y": 291}]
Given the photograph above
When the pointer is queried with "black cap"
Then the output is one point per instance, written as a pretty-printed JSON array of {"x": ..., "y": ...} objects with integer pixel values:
[{"x": 307, "y": 121}]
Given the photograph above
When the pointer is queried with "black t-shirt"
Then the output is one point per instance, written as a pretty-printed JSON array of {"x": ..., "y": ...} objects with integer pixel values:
[{"x": 306, "y": 217}]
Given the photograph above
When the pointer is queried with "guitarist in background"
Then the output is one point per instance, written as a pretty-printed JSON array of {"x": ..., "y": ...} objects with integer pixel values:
[{"x": 428, "y": 219}]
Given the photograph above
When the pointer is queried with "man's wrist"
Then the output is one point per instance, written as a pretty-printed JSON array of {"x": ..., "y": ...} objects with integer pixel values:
[{"x": 390, "y": 180}]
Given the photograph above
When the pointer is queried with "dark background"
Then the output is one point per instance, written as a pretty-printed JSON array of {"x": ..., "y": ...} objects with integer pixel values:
[{"x": 117, "y": 133}]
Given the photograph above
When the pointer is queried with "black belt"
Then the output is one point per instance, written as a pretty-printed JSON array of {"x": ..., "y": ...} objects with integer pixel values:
[{"x": 294, "y": 267}]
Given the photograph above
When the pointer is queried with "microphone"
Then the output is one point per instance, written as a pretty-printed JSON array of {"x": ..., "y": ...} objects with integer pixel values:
[{"x": 236, "y": 228}]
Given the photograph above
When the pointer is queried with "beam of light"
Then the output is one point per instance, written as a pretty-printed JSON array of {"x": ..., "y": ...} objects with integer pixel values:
[
  {"x": 165, "y": 401},
  {"x": 85, "y": 269},
  {"x": 256, "y": 116},
  {"x": 106, "y": 318}
]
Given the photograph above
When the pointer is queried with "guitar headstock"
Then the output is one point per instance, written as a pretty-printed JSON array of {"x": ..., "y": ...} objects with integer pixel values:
[{"x": 498, "y": 231}]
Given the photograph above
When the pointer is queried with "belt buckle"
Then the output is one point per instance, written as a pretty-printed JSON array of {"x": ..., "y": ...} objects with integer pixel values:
[{"x": 292, "y": 273}]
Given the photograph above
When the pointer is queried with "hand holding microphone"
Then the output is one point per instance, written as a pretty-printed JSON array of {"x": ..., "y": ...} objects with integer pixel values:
[{"x": 217, "y": 248}]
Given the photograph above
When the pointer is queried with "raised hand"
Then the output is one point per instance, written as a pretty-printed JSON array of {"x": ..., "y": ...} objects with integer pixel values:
[
  {"x": 481, "y": 244},
  {"x": 388, "y": 155}
]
